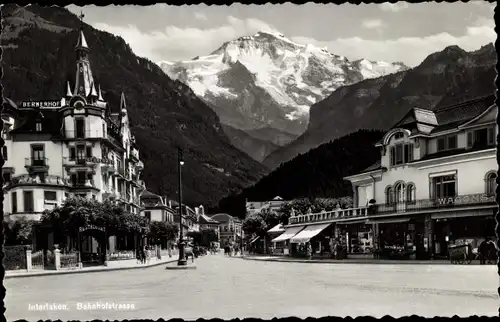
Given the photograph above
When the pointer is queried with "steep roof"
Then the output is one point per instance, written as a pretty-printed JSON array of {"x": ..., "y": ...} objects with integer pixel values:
[{"x": 50, "y": 119}]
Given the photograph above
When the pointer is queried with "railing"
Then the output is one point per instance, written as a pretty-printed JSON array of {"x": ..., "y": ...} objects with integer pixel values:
[
  {"x": 37, "y": 261},
  {"x": 121, "y": 171},
  {"x": 395, "y": 208},
  {"x": 84, "y": 134},
  {"x": 48, "y": 179},
  {"x": 36, "y": 162},
  {"x": 329, "y": 215},
  {"x": 435, "y": 204},
  {"x": 69, "y": 260},
  {"x": 84, "y": 184}
]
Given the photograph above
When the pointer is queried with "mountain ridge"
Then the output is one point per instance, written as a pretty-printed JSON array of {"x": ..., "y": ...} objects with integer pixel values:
[{"x": 447, "y": 77}]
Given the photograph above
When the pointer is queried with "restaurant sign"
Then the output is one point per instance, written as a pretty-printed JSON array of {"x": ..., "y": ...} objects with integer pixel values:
[
  {"x": 466, "y": 199},
  {"x": 46, "y": 103},
  {"x": 91, "y": 227}
]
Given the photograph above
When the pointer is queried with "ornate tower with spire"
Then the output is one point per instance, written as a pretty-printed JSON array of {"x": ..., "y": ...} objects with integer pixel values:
[{"x": 84, "y": 81}]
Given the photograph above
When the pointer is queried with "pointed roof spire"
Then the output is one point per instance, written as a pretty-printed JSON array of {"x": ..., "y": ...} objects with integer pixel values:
[
  {"x": 123, "y": 105},
  {"x": 100, "y": 94},
  {"x": 82, "y": 42},
  {"x": 68, "y": 90},
  {"x": 93, "y": 92}
]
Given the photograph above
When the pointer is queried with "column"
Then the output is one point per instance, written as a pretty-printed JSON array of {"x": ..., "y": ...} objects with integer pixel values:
[
  {"x": 57, "y": 254},
  {"x": 376, "y": 240},
  {"x": 429, "y": 236},
  {"x": 29, "y": 266}
]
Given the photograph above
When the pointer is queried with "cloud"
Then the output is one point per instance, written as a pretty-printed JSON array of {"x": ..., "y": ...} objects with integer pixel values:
[
  {"x": 200, "y": 16},
  {"x": 410, "y": 50},
  {"x": 174, "y": 43},
  {"x": 372, "y": 24},
  {"x": 394, "y": 7}
]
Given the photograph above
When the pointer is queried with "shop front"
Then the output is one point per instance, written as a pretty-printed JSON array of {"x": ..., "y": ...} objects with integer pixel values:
[
  {"x": 284, "y": 239},
  {"x": 277, "y": 248},
  {"x": 462, "y": 228},
  {"x": 318, "y": 237},
  {"x": 355, "y": 239}
]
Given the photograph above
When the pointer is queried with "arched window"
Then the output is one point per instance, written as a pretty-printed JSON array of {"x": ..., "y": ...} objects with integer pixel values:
[
  {"x": 389, "y": 195},
  {"x": 399, "y": 192},
  {"x": 410, "y": 192},
  {"x": 491, "y": 183}
]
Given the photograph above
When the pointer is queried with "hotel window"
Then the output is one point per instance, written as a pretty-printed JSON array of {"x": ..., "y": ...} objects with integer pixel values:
[
  {"x": 50, "y": 196},
  {"x": 444, "y": 186},
  {"x": 4, "y": 153},
  {"x": 14, "y": 202},
  {"x": 80, "y": 154},
  {"x": 389, "y": 195},
  {"x": 401, "y": 154},
  {"x": 37, "y": 155},
  {"x": 72, "y": 153},
  {"x": 399, "y": 192},
  {"x": 7, "y": 177},
  {"x": 410, "y": 193},
  {"x": 39, "y": 126},
  {"x": 89, "y": 152},
  {"x": 447, "y": 143},
  {"x": 491, "y": 183},
  {"x": 481, "y": 138},
  {"x": 80, "y": 128},
  {"x": 28, "y": 201}
]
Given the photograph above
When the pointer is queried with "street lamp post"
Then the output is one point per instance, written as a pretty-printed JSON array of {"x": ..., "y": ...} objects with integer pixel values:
[{"x": 182, "y": 258}]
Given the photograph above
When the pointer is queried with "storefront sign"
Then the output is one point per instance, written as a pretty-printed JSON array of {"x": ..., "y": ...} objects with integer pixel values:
[
  {"x": 91, "y": 227},
  {"x": 468, "y": 199},
  {"x": 31, "y": 104}
]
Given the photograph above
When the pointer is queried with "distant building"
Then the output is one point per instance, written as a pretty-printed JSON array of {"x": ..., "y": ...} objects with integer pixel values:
[
  {"x": 156, "y": 207},
  {"x": 230, "y": 228},
  {"x": 254, "y": 207}
]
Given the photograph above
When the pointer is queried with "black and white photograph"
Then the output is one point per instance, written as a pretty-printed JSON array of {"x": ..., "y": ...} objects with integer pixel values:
[{"x": 249, "y": 161}]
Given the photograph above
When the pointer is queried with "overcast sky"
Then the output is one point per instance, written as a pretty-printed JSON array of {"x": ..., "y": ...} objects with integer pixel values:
[{"x": 388, "y": 32}]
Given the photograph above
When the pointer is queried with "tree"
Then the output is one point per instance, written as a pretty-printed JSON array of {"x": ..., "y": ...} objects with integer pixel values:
[
  {"x": 254, "y": 224},
  {"x": 209, "y": 235},
  {"x": 18, "y": 232},
  {"x": 162, "y": 231}
]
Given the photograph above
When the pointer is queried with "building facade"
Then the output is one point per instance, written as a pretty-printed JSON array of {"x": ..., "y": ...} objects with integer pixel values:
[
  {"x": 77, "y": 146},
  {"x": 434, "y": 186},
  {"x": 230, "y": 228},
  {"x": 156, "y": 207}
]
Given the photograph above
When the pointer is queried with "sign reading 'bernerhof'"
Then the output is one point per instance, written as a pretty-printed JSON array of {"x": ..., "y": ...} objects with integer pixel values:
[{"x": 41, "y": 104}]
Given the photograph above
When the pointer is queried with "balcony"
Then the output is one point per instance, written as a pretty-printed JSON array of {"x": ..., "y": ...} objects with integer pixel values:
[
  {"x": 109, "y": 193},
  {"x": 80, "y": 162},
  {"x": 139, "y": 165},
  {"x": 83, "y": 184},
  {"x": 417, "y": 206},
  {"x": 134, "y": 154},
  {"x": 338, "y": 215},
  {"x": 47, "y": 180},
  {"x": 84, "y": 134},
  {"x": 108, "y": 166},
  {"x": 426, "y": 205},
  {"x": 36, "y": 164},
  {"x": 120, "y": 171}
]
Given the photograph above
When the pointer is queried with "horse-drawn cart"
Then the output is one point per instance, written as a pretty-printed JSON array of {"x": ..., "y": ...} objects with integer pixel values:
[{"x": 461, "y": 254}]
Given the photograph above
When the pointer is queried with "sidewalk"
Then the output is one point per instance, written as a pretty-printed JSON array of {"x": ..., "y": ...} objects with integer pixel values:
[
  {"x": 132, "y": 264},
  {"x": 350, "y": 261}
]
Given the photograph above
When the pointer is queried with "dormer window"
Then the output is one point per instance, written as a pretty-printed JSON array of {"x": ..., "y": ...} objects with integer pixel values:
[
  {"x": 401, "y": 153},
  {"x": 398, "y": 136},
  {"x": 38, "y": 126},
  {"x": 447, "y": 143}
]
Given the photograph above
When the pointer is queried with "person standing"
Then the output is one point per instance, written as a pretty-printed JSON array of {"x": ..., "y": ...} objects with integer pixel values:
[
  {"x": 483, "y": 251},
  {"x": 309, "y": 251}
]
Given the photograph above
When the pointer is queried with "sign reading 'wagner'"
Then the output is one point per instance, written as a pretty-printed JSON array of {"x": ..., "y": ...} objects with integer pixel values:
[{"x": 467, "y": 199}]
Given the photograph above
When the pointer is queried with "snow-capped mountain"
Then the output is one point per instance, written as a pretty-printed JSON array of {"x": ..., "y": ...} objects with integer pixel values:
[{"x": 267, "y": 80}]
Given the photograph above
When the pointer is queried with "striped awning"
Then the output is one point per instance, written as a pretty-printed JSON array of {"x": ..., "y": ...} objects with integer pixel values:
[
  {"x": 309, "y": 232},
  {"x": 289, "y": 233},
  {"x": 254, "y": 240}
]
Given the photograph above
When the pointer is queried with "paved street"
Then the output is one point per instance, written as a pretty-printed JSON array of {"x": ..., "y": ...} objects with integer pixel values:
[{"x": 232, "y": 287}]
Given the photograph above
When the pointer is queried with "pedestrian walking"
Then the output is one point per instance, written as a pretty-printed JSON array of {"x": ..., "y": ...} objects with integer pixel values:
[
  {"x": 143, "y": 255},
  {"x": 492, "y": 251},
  {"x": 148, "y": 254},
  {"x": 309, "y": 251}
]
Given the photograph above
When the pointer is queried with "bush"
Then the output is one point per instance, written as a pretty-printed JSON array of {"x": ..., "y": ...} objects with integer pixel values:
[{"x": 15, "y": 257}]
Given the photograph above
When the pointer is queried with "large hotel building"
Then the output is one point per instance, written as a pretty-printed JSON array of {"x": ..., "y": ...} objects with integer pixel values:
[
  {"x": 76, "y": 146},
  {"x": 433, "y": 186}
]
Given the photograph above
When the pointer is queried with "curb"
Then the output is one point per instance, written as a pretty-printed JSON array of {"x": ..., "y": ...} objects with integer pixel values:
[
  {"x": 81, "y": 271},
  {"x": 388, "y": 262}
]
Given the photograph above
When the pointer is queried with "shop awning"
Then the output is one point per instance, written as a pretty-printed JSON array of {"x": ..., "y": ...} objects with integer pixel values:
[
  {"x": 388, "y": 220},
  {"x": 461, "y": 214},
  {"x": 289, "y": 233},
  {"x": 254, "y": 240},
  {"x": 276, "y": 229},
  {"x": 308, "y": 233}
]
